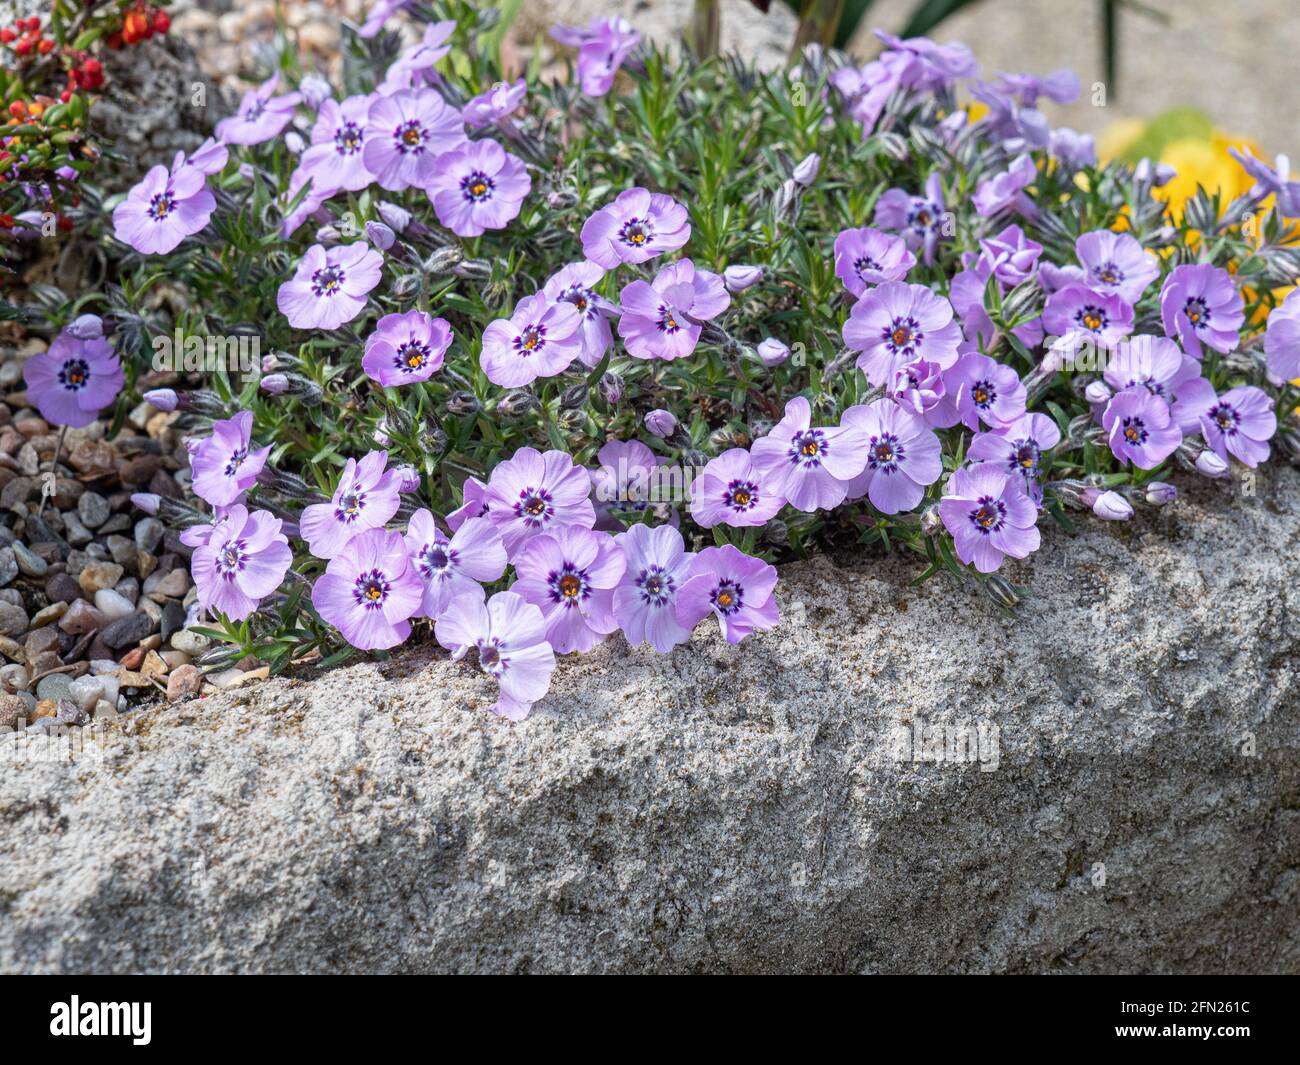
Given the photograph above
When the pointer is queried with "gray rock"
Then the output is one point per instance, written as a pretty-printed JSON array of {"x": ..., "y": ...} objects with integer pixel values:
[
  {"x": 737, "y": 809},
  {"x": 128, "y": 630},
  {"x": 30, "y": 564},
  {"x": 93, "y": 510},
  {"x": 8, "y": 565},
  {"x": 149, "y": 534},
  {"x": 113, "y": 605},
  {"x": 54, "y": 686},
  {"x": 13, "y": 620}
]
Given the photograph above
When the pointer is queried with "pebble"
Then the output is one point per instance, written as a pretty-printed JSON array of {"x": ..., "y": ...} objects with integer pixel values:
[
  {"x": 12, "y": 708},
  {"x": 61, "y": 588},
  {"x": 8, "y": 565},
  {"x": 13, "y": 620},
  {"x": 13, "y": 677},
  {"x": 173, "y": 619},
  {"x": 41, "y": 640},
  {"x": 53, "y": 686},
  {"x": 112, "y": 604},
  {"x": 86, "y": 692},
  {"x": 191, "y": 642},
  {"x": 172, "y": 585},
  {"x": 97, "y": 575},
  {"x": 82, "y": 618},
  {"x": 48, "y": 615},
  {"x": 45, "y": 708},
  {"x": 30, "y": 564},
  {"x": 12, "y": 649},
  {"x": 43, "y": 663},
  {"x": 128, "y": 630},
  {"x": 77, "y": 534},
  {"x": 93, "y": 510},
  {"x": 69, "y": 713},
  {"x": 148, "y": 534},
  {"x": 185, "y": 680}
]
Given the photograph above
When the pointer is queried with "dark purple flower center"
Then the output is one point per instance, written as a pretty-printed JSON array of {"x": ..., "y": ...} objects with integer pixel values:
[
  {"x": 348, "y": 138},
  {"x": 371, "y": 589},
  {"x": 75, "y": 375},
  {"x": 412, "y": 356},
  {"x": 983, "y": 394},
  {"x": 885, "y": 453},
  {"x": 535, "y": 506},
  {"x": 490, "y": 658},
  {"x": 236, "y": 460},
  {"x": 581, "y": 298},
  {"x": 741, "y": 495},
  {"x": 924, "y": 216},
  {"x": 1198, "y": 312},
  {"x": 668, "y": 322},
  {"x": 568, "y": 585},
  {"x": 864, "y": 263},
  {"x": 531, "y": 339},
  {"x": 1134, "y": 430},
  {"x": 1092, "y": 318},
  {"x": 807, "y": 448},
  {"x": 1108, "y": 274},
  {"x": 436, "y": 561},
  {"x": 657, "y": 587},
  {"x": 1025, "y": 456},
  {"x": 477, "y": 187},
  {"x": 350, "y": 506},
  {"x": 409, "y": 137},
  {"x": 231, "y": 559},
  {"x": 1225, "y": 416},
  {"x": 903, "y": 335},
  {"x": 161, "y": 206},
  {"x": 636, "y": 232},
  {"x": 989, "y": 514},
  {"x": 728, "y": 597},
  {"x": 327, "y": 281},
  {"x": 255, "y": 110}
]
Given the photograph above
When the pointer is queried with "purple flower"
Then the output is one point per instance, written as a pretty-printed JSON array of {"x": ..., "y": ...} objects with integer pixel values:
[
  {"x": 1270, "y": 181},
  {"x": 533, "y": 493},
  {"x": 406, "y": 348},
  {"x": 540, "y": 339},
  {"x": 478, "y": 186},
  {"x": 330, "y": 287},
  {"x": 623, "y": 480},
  {"x": 510, "y": 636},
  {"x": 473, "y": 505},
  {"x": 85, "y": 327},
  {"x": 163, "y": 209},
  {"x": 455, "y": 566},
  {"x": 733, "y": 586},
  {"x": 1071, "y": 148},
  {"x": 242, "y": 560},
  {"x": 636, "y": 227},
  {"x": 369, "y": 591},
  {"x": 208, "y": 158},
  {"x": 571, "y": 573},
  {"x": 414, "y": 66},
  {"x": 897, "y": 323},
  {"x": 73, "y": 380},
  {"x": 499, "y": 102},
  {"x": 1199, "y": 304},
  {"x": 1018, "y": 448},
  {"x": 1282, "y": 339},
  {"x": 731, "y": 491},
  {"x": 380, "y": 12},
  {"x": 1239, "y": 423},
  {"x": 866, "y": 89},
  {"x": 1116, "y": 263},
  {"x": 867, "y": 256},
  {"x": 602, "y": 47},
  {"x": 917, "y": 387},
  {"x": 981, "y": 389},
  {"x": 1006, "y": 189},
  {"x": 261, "y": 115},
  {"x": 575, "y": 284},
  {"x": 310, "y": 204},
  {"x": 1010, "y": 255},
  {"x": 645, "y": 601},
  {"x": 366, "y": 497},
  {"x": 660, "y": 423},
  {"x": 1139, "y": 428},
  {"x": 1156, "y": 363},
  {"x": 1103, "y": 319},
  {"x": 903, "y": 456},
  {"x": 772, "y": 352},
  {"x": 810, "y": 467},
  {"x": 404, "y": 135},
  {"x": 660, "y": 318},
  {"x": 337, "y": 139},
  {"x": 930, "y": 66},
  {"x": 1062, "y": 86},
  {"x": 224, "y": 465},
  {"x": 989, "y": 515},
  {"x": 380, "y": 235},
  {"x": 921, "y": 219},
  {"x": 739, "y": 278}
]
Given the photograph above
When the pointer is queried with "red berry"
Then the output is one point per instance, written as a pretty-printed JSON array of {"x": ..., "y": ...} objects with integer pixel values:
[
  {"x": 161, "y": 21},
  {"x": 24, "y": 46},
  {"x": 6, "y": 221},
  {"x": 45, "y": 47},
  {"x": 7, "y": 35},
  {"x": 93, "y": 66}
]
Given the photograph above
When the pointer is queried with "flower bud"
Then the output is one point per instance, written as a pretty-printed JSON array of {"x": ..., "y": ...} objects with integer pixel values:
[
  {"x": 1158, "y": 493},
  {"x": 574, "y": 396},
  {"x": 315, "y": 91},
  {"x": 274, "y": 384},
  {"x": 695, "y": 457},
  {"x": 739, "y": 278},
  {"x": 562, "y": 200},
  {"x": 409, "y": 478},
  {"x": 85, "y": 327},
  {"x": 328, "y": 234},
  {"x": 660, "y": 423},
  {"x": 146, "y": 501},
  {"x": 463, "y": 402},
  {"x": 164, "y": 399},
  {"x": 1107, "y": 505},
  {"x": 294, "y": 142},
  {"x": 610, "y": 387},
  {"x": 776, "y": 532},
  {"x": 380, "y": 235},
  {"x": 806, "y": 172},
  {"x": 1289, "y": 441},
  {"x": 406, "y": 286},
  {"x": 1097, "y": 393},
  {"x": 474, "y": 270},
  {"x": 931, "y": 522},
  {"x": 443, "y": 260},
  {"x": 1209, "y": 464},
  {"x": 772, "y": 352},
  {"x": 394, "y": 217},
  {"x": 517, "y": 402},
  {"x": 1001, "y": 591}
]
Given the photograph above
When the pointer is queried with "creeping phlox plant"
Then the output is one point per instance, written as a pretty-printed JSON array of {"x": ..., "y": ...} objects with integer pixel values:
[{"x": 550, "y": 361}]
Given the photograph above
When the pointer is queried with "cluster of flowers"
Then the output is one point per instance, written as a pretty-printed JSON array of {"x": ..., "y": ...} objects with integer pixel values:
[{"x": 581, "y": 567}]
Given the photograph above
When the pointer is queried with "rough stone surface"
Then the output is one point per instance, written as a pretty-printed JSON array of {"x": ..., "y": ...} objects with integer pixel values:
[{"x": 731, "y": 809}]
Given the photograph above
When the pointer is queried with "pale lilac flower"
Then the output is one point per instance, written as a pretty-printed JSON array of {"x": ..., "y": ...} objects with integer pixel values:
[
  {"x": 1282, "y": 339},
  {"x": 315, "y": 90},
  {"x": 1199, "y": 304},
  {"x": 85, "y": 327},
  {"x": 739, "y": 278},
  {"x": 903, "y": 456},
  {"x": 1271, "y": 181},
  {"x": 805, "y": 171},
  {"x": 772, "y": 352},
  {"x": 261, "y": 115},
  {"x": 1116, "y": 262},
  {"x": 540, "y": 339},
  {"x": 918, "y": 387},
  {"x": 510, "y": 637},
  {"x": 1061, "y": 86},
  {"x": 380, "y": 12},
  {"x": 242, "y": 560},
  {"x": 498, "y": 103},
  {"x": 660, "y": 318},
  {"x": 810, "y": 467},
  {"x": 337, "y": 139},
  {"x": 478, "y": 186},
  {"x": 570, "y": 573},
  {"x": 575, "y": 284},
  {"x": 330, "y": 287},
  {"x": 635, "y": 228},
  {"x": 645, "y": 601},
  {"x": 533, "y": 493},
  {"x": 921, "y": 219},
  {"x": 660, "y": 423},
  {"x": 369, "y": 591},
  {"x": 310, "y": 204},
  {"x": 225, "y": 465},
  {"x": 414, "y": 66},
  {"x": 624, "y": 480},
  {"x": 473, "y": 503},
  {"x": 734, "y": 587},
  {"x": 72, "y": 380},
  {"x": 1156, "y": 363},
  {"x": 602, "y": 47},
  {"x": 163, "y": 209},
  {"x": 450, "y": 567},
  {"x": 1006, "y": 189},
  {"x": 406, "y": 348},
  {"x": 989, "y": 515},
  {"x": 866, "y": 256},
  {"x": 930, "y": 66},
  {"x": 1010, "y": 255},
  {"x": 208, "y": 158},
  {"x": 365, "y": 498},
  {"x": 404, "y": 135},
  {"x": 1239, "y": 423},
  {"x": 897, "y": 323},
  {"x": 1018, "y": 448},
  {"x": 1139, "y": 428},
  {"x": 981, "y": 389},
  {"x": 380, "y": 235},
  {"x": 1076, "y": 311},
  {"x": 1071, "y": 148},
  {"x": 731, "y": 491}
]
